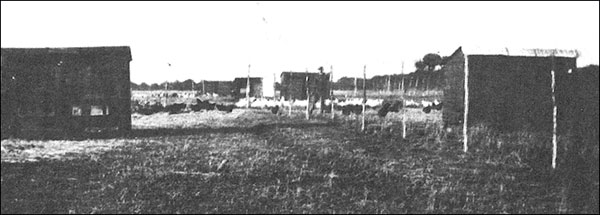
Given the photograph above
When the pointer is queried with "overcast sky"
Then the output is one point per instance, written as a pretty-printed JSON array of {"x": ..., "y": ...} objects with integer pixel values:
[{"x": 217, "y": 40}]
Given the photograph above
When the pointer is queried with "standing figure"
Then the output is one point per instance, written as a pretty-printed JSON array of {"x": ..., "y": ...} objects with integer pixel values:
[{"x": 318, "y": 90}]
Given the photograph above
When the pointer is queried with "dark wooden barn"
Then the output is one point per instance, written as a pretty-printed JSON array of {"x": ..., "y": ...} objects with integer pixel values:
[
  {"x": 509, "y": 89},
  {"x": 240, "y": 84},
  {"x": 222, "y": 88},
  {"x": 54, "y": 91},
  {"x": 294, "y": 84}
]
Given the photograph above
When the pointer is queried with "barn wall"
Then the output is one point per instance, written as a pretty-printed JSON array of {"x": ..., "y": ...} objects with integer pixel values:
[
  {"x": 454, "y": 93},
  {"x": 509, "y": 93},
  {"x": 222, "y": 88},
  {"x": 293, "y": 85},
  {"x": 122, "y": 106},
  {"x": 514, "y": 93},
  {"x": 45, "y": 85},
  {"x": 100, "y": 79},
  {"x": 584, "y": 106},
  {"x": 583, "y": 163},
  {"x": 240, "y": 84}
]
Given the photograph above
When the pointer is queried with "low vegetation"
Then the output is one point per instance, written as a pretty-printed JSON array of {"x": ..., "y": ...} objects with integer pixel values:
[{"x": 252, "y": 161}]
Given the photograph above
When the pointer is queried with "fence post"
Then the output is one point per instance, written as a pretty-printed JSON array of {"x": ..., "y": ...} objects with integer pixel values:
[
  {"x": 466, "y": 108},
  {"x": 248, "y": 88},
  {"x": 364, "y": 102},
  {"x": 389, "y": 83},
  {"x": 307, "y": 96},
  {"x": 331, "y": 94},
  {"x": 166, "y": 93},
  {"x": 403, "y": 105},
  {"x": 355, "y": 86},
  {"x": 554, "y": 112},
  {"x": 417, "y": 83},
  {"x": 427, "y": 80}
]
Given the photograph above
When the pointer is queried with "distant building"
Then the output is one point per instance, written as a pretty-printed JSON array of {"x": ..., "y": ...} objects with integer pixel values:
[
  {"x": 509, "y": 89},
  {"x": 240, "y": 84},
  {"x": 222, "y": 88},
  {"x": 49, "y": 91},
  {"x": 294, "y": 84}
]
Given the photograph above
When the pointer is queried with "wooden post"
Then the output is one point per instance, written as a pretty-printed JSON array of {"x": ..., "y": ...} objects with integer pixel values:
[
  {"x": 355, "y": 86},
  {"x": 290, "y": 110},
  {"x": 274, "y": 85},
  {"x": 389, "y": 84},
  {"x": 364, "y": 102},
  {"x": 554, "y": 112},
  {"x": 166, "y": 93},
  {"x": 403, "y": 105},
  {"x": 203, "y": 89},
  {"x": 401, "y": 84},
  {"x": 466, "y": 109},
  {"x": 307, "y": 96},
  {"x": 417, "y": 83},
  {"x": 248, "y": 88},
  {"x": 331, "y": 94}
]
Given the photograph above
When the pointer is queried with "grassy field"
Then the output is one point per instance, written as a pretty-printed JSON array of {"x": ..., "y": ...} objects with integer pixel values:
[
  {"x": 417, "y": 95},
  {"x": 251, "y": 161},
  {"x": 182, "y": 97}
]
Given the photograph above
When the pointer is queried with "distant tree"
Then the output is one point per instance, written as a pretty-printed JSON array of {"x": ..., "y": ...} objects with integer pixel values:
[
  {"x": 144, "y": 86},
  {"x": 277, "y": 86},
  {"x": 165, "y": 85},
  {"x": 420, "y": 65},
  {"x": 175, "y": 85},
  {"x": 344, "y": 83},
  {"x": 155, "y": 86},
  {"x": 187, "y": 84},
  {"x": 431, "y": 60},
  {"x": 134, "y": 86}
]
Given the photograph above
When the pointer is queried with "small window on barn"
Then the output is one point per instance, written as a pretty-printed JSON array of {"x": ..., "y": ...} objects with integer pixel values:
[
  {"x": 76, "y": 111},
  {"x": 96, "y": 110}
]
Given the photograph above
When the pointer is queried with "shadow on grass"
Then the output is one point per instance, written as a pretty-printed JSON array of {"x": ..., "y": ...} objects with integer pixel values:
[
  {"x": 256, "y": 129},
  {"x": 161, "y": 132}
]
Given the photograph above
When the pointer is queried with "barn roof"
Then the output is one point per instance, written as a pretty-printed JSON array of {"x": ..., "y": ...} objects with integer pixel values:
[
  {"x": 511, "y": 51},
  {"x": 299, "y": 73},
  {"x": 103, "y": 50},
  {"x": 251, "y": 78}
]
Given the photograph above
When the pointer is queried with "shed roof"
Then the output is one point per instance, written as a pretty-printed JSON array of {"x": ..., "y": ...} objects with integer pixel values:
[
  {"x": 103, "y": 50},
  {"x": 511, "y": 51},
  {"x": 251, "y": 78},
  {"x": 299, "y": 73}
]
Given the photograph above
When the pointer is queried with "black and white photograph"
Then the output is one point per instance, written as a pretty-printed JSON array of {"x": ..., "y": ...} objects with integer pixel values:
[{"x": 300, "y": 107}]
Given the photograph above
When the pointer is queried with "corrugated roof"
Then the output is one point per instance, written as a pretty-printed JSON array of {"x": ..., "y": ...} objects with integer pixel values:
[{"x": 528, "y": 52}]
